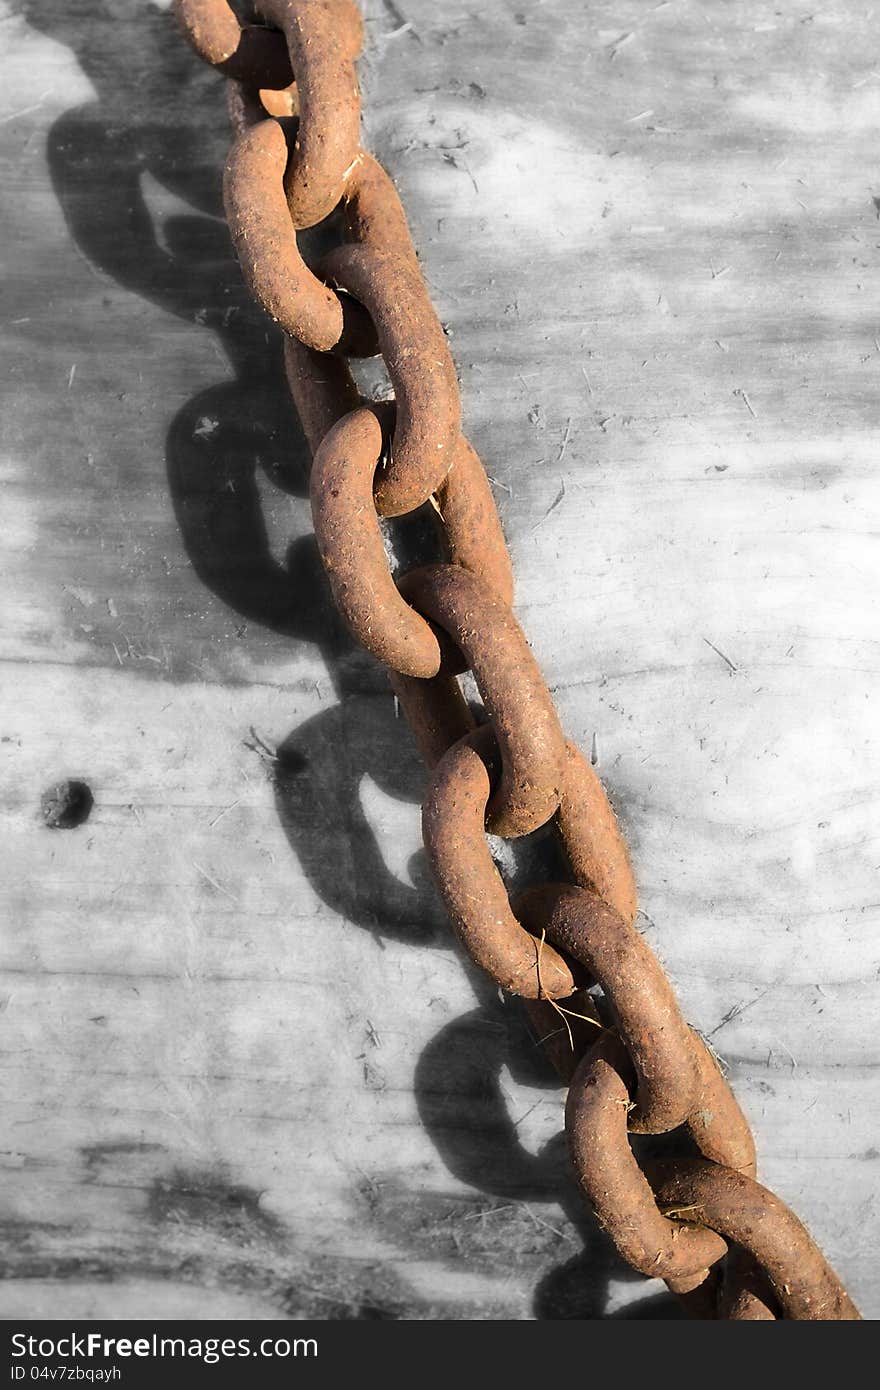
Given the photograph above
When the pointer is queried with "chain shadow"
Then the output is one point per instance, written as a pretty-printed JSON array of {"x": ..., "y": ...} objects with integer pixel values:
[
  {"x": 158, "y": 114},
  {"x": 166, "y": 122},
  {"x": 460, "y": 1094}
]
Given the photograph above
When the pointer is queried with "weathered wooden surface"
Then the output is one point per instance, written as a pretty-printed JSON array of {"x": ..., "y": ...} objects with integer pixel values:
[{"x": 243, "y": 1072}]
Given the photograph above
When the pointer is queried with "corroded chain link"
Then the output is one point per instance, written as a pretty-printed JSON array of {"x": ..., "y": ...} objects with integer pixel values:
[{"x": 726, "y": 1245}]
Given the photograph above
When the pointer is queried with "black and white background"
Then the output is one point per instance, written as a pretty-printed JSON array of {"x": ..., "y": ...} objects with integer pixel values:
[{"x": 244, "y": 1073}]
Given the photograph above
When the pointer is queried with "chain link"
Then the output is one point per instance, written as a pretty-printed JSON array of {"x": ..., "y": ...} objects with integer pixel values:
[{"x": 632, "y": 1063}]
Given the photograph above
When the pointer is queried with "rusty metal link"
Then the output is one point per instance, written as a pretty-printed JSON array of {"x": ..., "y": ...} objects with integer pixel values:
[
  {"x": 516, "y": 698},
  {"x": 247, "y": 52},
  {"x": 265, "y": 238},
  {"x": 324, "y": 391},
  {"x": 742, "y": 1211},
  {"x": 383, "y": 284},
  {"x": 353, "y": 549},
  {"x": 632, "y": 1063},
  {"x": 470, "y": 524},
  {"x": 716, "y": 1124},
  {"x": 745, "y": 1294},
  {"x": 372, "y": 213},
  {"x": 564, "y": 1037},
  {"x": 453, "y": 826},
  {"x": 435, "y": 710},
  {"x": 663, "y": 1219},
  {"x": 645, "y": 1009},
  {"x": 419, "y": 365},
  {"x": 592, "y": 838},
  {"x": 322, "y": 38},
  {"x": 322, "y": 387},
  {"x": 453, "y": 823},
  {"x": 596, "y": 1116},
  {"x": 378, "y": 301},
  {"x": 677, "y": 1081},
  {"x": 266, "y": 245},
  {"x": 248, "y": 106}
]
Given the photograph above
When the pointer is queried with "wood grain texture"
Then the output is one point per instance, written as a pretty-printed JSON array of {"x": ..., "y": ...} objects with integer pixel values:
[{"x": 243, "y": 1071}]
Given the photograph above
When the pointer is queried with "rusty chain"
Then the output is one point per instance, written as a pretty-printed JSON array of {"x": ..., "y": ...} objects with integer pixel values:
[{"x": 720, "y": 1240}]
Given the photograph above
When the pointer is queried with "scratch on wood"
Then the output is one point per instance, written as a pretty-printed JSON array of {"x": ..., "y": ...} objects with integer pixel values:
[{"x": 718, "y": 652}]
